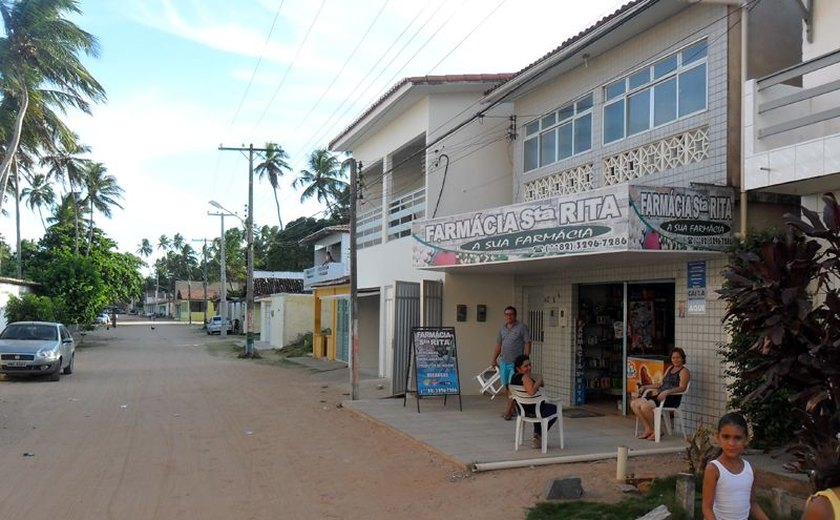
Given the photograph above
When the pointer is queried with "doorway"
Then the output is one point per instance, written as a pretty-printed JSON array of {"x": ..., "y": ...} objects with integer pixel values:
[{"x": 619, "y": 326}]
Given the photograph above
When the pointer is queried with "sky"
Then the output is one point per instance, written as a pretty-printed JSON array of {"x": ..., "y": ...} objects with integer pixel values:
[{"x": 184, "y": 77}]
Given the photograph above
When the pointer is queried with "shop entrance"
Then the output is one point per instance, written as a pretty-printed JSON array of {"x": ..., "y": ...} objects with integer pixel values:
[{"x": 624, "y": 332}]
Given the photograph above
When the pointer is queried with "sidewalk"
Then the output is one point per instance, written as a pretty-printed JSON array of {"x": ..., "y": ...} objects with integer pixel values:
[{"x": 478, "y": 439}]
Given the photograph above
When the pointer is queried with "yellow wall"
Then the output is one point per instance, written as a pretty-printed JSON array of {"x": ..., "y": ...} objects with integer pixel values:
[{"x": 322, "y": 345}]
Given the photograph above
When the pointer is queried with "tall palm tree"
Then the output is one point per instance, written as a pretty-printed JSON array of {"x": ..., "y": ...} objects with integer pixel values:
[
  {"x": 145, "y": 249},
  {"x": 41, "y": 48},
  {"x": 101, "y": 194},
  {"x": 274, "y": 166},
  {"x": 323, "y": 180},
  {"x": 67, "y": 164},
  {"x": 39, "y": 194},
  {"x": 178, "y": 242},
  {"x": 65, "y": 211},
  {"x": 164, "y": 243}
]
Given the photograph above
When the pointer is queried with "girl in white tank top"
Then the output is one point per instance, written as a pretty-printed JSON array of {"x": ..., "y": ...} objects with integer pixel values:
[{"x": 728, "y": 492}]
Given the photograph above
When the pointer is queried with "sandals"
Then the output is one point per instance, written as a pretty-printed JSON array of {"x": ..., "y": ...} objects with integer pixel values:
[
  {"x": 647, "y": 436},
  {"x": 507, "y": 417}
]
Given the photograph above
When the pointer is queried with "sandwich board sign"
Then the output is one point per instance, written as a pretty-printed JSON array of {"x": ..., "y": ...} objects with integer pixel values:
[{"x": 434, "y": 354}]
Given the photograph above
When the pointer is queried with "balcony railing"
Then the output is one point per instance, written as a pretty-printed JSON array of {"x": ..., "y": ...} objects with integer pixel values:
[
  {"x": 405, "y": 210},
  {"x": 322, "y": 274},
  {"x": 786, "y": 113},
  {"x": 369, "y": 228}
]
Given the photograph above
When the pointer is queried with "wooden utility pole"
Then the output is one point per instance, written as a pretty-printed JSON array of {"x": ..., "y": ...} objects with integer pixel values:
[
  {"x": 249, "y": 224},
  {"x": 354, "y": 289}
]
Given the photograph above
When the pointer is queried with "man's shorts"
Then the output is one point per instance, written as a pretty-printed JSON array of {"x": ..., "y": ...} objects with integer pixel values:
[{"x": 505, "y": 372}]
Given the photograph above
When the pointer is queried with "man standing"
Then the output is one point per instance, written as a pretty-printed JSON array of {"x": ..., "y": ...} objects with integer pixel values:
[{"x": 514, "y": 339}]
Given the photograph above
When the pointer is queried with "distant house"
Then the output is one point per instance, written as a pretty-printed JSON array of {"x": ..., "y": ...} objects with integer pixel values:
[{"x": 329, "y": 281}]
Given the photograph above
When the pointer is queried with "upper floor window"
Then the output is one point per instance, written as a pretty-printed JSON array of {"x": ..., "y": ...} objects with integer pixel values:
[
  {"x": 667, "y": 90},
  {"x": 560, "y": 134}
]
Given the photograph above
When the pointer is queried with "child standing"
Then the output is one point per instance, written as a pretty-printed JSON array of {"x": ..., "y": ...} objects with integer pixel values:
[{"x": 728, "y": 492}]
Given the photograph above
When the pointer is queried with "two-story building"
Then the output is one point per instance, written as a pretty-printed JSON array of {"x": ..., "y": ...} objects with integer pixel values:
[
  {"x": 422, "y": 155},
  {"x": 626, "y": 171},
  {"x": 329, "y": 282}
]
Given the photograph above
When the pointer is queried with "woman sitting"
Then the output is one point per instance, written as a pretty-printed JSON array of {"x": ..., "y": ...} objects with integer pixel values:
[
  {"x": 522, "y": 377},
  {"x": 674, "y": 381}
]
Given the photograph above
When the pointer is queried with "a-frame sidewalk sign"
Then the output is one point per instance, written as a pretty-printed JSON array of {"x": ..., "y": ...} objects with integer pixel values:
[{"x": 434, "y": 353}]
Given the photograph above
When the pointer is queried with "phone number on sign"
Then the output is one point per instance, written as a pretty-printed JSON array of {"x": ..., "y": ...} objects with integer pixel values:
[{"x": 592, "y": 243}]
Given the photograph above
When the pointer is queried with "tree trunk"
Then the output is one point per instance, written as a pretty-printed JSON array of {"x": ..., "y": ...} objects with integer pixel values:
[
  {"x": 277, "y": 203},
  {"x": 17, "y": 222},
  {"x": 90, "y": 231},
  {"x": 12, "y": 146}
]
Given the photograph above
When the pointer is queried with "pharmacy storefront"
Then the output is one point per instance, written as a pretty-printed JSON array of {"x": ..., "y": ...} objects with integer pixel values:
[{"x": 608, "y": 281}]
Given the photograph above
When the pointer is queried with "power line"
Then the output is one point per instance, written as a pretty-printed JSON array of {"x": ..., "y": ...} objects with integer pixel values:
[
  {"x": 257, "y": 66},
  {"x": 289, "y": 68}
]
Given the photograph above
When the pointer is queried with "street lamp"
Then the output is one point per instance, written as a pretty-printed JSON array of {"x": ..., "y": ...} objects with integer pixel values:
[{"x": 223, "y": 263}]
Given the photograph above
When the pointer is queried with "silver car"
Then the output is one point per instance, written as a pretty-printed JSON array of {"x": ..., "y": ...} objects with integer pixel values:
[
  {"x": 214, "y": 325},
  {"x": 36, "y": 348}
]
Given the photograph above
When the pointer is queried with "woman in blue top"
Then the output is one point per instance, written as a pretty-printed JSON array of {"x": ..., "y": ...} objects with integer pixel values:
[{"x": 674, "y": 381}]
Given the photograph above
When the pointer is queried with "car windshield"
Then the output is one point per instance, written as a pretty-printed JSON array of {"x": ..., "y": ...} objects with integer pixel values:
[{"x": 30, "y": 332}]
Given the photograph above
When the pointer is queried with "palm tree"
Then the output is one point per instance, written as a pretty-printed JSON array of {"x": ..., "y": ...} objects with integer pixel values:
[
  {"x": 164, "y": 243},
  {"x": 102, "y": 192},
  {"x": 178, "y": 242},
  {"x": 274, "y": 166},
  {"x": 67, "y": 165},
  {"x": 39, "y": 194},
  {"x": 145, "y": 248},
  {"x": 323, "y": 179},
  {"x": 65, "y": 211},
  {"x": 40, "y": 48}
]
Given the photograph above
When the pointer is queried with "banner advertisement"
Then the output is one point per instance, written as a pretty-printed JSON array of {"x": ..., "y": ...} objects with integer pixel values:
[
  {"x": 615, "y": 218},
  {"x": 594, "y": 221},
  {"x": 682, "y": 219},
  {"x": 644, "y": 371},
  {"x": 436, "y": 359}
]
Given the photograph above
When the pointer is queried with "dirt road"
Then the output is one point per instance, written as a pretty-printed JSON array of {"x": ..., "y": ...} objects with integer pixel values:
[{"x": 154, "y": 425}]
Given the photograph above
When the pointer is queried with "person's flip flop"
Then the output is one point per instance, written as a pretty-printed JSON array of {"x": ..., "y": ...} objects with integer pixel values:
[
  {"x": 647, "y": 436},
  {"x": 507, "y": 417}
]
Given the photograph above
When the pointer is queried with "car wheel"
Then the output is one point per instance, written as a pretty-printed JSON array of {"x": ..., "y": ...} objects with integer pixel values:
[
  {"x": 69, "y": 368},
  {"x": 56, "y": 375}
]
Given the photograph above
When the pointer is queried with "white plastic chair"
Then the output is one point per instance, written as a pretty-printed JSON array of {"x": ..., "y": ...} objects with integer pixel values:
[
  {"x": 675, "y": 411},
  {"x": 490, "y": 381},
  {"x": 521, "y": 397}
]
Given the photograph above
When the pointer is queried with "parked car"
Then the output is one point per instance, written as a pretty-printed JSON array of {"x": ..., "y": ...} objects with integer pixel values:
[
  {"x": 29, "y": 348},
  {"x": 214, "y": 325},
  {"x": 103, "y": 319}
]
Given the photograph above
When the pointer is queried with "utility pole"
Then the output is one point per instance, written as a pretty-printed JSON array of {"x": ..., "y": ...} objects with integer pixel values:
[
  {"x": 204, "y": 273},
  {"x": 354, "y": 289},
  {"x": 249, "y": 283},
  {"x": 222, "y": 265}
]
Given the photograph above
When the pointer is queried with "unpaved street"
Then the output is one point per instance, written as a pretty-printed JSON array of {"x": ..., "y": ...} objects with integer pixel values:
[{"x": 153, "y": 425}]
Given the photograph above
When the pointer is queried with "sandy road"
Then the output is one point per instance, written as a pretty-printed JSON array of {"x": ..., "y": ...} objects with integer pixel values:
[{"x": 154, "y": 426}]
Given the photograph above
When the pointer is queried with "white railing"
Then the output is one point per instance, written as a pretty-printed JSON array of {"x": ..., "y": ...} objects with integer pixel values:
[
  {"x": 325, "y": 273},
  {"x": 369, "y": 228},
  {"x": 798, "y": 103},
  {"x": 405, "y": 210}
]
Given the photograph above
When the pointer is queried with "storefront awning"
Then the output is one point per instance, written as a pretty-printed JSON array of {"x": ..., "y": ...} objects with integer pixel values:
[{"x": 613, "y": 225}]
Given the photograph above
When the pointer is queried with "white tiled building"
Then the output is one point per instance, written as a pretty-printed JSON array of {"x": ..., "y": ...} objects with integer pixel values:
[{"x": 411, "y": 170}]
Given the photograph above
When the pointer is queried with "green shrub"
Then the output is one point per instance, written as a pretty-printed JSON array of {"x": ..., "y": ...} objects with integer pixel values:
[{"x": 34, "y": 308}]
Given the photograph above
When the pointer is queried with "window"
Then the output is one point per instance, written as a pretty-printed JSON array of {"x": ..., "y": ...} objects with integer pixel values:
[
  {"x": 672, "y": 88},
  {"x": 559, "y": 135}
]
